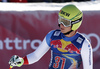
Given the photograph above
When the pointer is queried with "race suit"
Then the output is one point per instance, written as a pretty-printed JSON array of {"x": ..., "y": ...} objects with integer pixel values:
[{"x": 66, "y": 52}]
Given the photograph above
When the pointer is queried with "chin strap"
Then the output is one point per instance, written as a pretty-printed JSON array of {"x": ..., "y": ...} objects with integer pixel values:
[{"x": 68, "y": 32}]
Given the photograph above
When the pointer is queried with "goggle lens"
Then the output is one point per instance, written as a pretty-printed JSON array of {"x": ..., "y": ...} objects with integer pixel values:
[{"x": 64, "y": 21}]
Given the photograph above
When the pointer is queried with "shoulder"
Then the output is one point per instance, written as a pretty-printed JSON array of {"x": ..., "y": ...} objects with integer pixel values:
[
  {"x": 82, "y": 40},
  {"x": 86, "y": 43},
  {"x": 54, "y": 32},
  {"x": 85, "y": 39},
  {"x": 82, "y": 37},
  {"x": 51, "y": 35}
]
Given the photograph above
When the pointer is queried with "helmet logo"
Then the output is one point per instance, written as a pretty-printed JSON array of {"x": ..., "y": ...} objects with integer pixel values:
[
  {"x": 64, "y": 13},
  {"x": 76, "y": 21}
]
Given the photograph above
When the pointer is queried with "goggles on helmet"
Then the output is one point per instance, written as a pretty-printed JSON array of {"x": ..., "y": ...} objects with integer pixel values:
[{"x": 64, "y": 21}]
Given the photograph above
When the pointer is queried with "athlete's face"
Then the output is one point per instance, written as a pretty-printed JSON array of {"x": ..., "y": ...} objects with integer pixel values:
[{"x": 64, "y": 29}]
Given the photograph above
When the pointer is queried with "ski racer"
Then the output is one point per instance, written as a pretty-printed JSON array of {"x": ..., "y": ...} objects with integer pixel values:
[{"x": 69, "y": 48}]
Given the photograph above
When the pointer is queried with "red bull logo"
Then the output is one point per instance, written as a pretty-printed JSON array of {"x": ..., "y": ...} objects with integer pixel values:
[{"x": 65, "y": 46}]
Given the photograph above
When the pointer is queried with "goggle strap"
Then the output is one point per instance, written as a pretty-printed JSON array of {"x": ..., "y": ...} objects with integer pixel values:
[
  {"x": 76, "y": 21},
  {"x": 68, "y": 32}
]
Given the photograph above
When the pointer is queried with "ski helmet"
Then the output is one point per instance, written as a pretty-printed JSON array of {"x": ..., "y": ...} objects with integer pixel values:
[{"x": 71, "y": 13}]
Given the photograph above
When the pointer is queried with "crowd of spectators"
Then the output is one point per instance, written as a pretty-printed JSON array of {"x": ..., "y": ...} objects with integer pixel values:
[{"x": 24, "y": 1}]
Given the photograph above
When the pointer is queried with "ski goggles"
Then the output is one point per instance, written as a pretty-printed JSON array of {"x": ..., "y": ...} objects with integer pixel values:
[{"x": 64, "y": 21}]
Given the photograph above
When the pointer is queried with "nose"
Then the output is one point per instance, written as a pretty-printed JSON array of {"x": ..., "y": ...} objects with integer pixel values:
[{"x": 61, "y": 25}]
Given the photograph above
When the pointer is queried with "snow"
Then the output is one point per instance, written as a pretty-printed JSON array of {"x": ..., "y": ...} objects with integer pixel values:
[{"x": 84, "y": 6}]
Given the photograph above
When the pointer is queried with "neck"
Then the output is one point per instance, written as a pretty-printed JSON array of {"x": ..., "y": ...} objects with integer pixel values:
[{"x": 71, "y": 34}]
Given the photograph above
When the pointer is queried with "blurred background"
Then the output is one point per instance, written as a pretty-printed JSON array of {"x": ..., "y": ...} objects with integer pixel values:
[
  {"x": 57, "y": 1},
  {"x": 24, "y": 24}
]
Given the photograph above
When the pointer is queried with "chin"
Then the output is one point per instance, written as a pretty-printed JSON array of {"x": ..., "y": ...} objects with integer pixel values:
[{"x": 62, "y": 31}]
